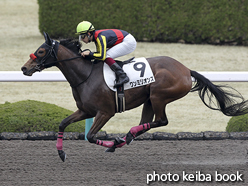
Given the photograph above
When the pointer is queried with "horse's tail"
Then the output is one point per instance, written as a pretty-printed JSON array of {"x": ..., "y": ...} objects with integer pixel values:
[{"x": 230, "y": 104}]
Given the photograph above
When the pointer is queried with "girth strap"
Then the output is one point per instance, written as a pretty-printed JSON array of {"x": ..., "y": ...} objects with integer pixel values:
[{"x": 120, "y": 99}]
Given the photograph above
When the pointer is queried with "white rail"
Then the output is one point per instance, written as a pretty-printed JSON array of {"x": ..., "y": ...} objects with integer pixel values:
[
  {"x": 57, "y": 76},
  {"x": 17, "y": 76}
]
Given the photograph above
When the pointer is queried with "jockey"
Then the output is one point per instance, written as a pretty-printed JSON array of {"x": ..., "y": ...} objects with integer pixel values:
[{"x": 110, "y": 44}]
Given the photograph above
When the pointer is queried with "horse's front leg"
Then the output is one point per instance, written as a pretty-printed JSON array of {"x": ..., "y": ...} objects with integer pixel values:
[
  {"x": 100, "y": 120},
  {"x": 76, "y": 116}
]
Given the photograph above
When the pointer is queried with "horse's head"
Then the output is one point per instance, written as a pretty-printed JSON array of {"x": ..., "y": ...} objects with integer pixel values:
[{"x": 43, "y": 57}]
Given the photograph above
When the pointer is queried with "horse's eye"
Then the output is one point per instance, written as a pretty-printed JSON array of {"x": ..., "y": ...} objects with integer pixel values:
[{"x": 41, "y": 52}]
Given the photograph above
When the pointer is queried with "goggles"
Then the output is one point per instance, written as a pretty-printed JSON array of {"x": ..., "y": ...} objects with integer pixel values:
[{"x": 82, "y": 36}]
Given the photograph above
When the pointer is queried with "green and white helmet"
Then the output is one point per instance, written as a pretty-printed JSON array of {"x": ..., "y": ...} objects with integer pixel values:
[{"x": 84, "y": 27}]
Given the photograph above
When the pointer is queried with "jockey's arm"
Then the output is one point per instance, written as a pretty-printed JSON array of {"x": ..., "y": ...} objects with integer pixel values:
[{"x": 101, "y": 48}]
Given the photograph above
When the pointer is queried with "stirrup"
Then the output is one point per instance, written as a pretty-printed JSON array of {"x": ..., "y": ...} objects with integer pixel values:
[{"x": 121, "y": 83}]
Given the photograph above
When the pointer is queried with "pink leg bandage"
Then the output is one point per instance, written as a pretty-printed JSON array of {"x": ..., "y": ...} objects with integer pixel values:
[
  {"x": 59, "y": 144},
  {"x": 139, "y": 128},
  {"x": 105, "y": 143}
]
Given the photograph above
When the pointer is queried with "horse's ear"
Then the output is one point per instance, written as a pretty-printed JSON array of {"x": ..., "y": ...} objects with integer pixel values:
[
  {"x": 45, "y": 35},
  {"x": 47, "y": 38}
]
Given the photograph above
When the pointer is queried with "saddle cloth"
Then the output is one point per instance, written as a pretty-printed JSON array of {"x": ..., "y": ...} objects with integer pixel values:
[{"x": 138, "y": 71}]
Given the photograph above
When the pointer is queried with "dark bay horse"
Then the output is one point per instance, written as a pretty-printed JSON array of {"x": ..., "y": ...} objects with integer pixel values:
[{"x": 94, "y": 99}]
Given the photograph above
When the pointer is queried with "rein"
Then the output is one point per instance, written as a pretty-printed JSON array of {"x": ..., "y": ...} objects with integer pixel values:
[
  {"x": 53, "y": 63},
  {"x": 85, "y": 78}
]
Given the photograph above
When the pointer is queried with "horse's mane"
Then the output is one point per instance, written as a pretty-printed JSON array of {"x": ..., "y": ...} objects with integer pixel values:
[{"x": 72, "y": 44}]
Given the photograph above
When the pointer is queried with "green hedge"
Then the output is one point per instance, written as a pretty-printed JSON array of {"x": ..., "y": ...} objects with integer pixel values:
[
  {"x": 31, "y": 116},
  {"x": 206, "y": 21},
  {"x": 238, "y": 124}
]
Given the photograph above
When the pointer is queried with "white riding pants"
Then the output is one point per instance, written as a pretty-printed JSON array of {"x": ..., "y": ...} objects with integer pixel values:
[{"x": 127, "y": 46}]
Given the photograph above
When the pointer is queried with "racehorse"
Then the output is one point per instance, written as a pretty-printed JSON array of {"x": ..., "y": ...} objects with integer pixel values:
[{"x": 94, "y": 99}]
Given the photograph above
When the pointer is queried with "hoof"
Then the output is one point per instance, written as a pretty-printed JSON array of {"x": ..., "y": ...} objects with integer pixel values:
[
  {"x": 62, "y": 155},
  {"x": 119, "y": 141},
  {"x": 129, "y": 138},
  {"x": 111, "y": 149}
]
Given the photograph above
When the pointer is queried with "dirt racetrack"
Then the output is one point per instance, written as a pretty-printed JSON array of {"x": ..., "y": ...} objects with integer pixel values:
[{"x": 37, "y": 163}]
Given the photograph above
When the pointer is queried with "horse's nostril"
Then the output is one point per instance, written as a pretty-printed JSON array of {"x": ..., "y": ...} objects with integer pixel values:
[{"x": 24, "y": 69}]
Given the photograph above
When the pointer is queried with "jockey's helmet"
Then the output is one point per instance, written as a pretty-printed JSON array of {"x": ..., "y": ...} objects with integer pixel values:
[{"x": 84, "y": 27}]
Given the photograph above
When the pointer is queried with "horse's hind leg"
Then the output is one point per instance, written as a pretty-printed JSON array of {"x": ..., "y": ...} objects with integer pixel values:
[
  {"x": 147, "y": 112},
  {"x": 146, "y": 121},
  {"x": 147, "y": 116}
]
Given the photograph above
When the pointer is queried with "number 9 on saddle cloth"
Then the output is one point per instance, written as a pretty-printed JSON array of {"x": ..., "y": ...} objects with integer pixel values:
[{"x": 139, "y": 72}]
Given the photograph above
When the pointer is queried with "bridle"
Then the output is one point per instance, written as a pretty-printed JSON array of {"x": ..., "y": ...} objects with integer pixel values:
[{"x": 52, "y": 52}]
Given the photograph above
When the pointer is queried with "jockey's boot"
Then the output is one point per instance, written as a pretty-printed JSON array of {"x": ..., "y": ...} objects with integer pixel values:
[{"x": 122, "y": 76}]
